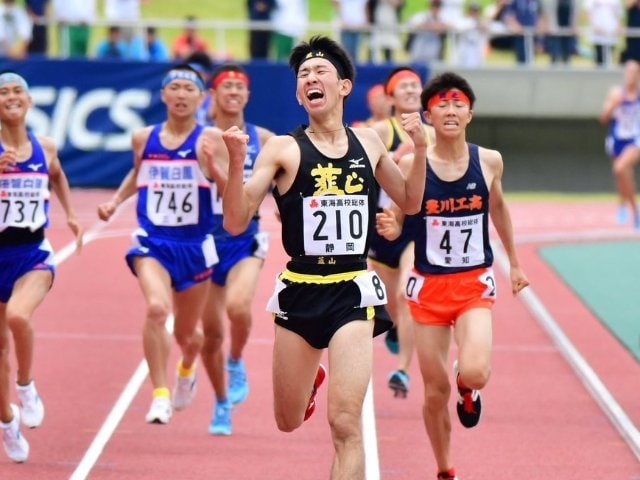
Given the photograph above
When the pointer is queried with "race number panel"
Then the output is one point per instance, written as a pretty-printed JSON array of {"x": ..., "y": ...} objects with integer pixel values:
[
  {"x": 335, "y": 225},
  {"x": 22, "y": 201},
  {"x": 455, "y": 242}
]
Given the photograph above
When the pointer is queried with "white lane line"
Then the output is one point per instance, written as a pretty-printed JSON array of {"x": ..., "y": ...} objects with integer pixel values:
[
  {"x": 372, "y": 462},
  {"x": 581, "y": 368},
  {"x": 114, "y": 418}
]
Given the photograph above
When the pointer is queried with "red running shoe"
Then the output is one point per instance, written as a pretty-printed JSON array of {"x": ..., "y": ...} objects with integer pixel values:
[{"x": 311, "y": 406}]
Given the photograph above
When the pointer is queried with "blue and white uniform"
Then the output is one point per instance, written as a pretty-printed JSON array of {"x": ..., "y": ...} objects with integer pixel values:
[
  {"x": 174, "y": 212},
  {"x": 24, "y": 215},
  {"x": 251, "y": 243},
  {"x": 624, "y": 127}
]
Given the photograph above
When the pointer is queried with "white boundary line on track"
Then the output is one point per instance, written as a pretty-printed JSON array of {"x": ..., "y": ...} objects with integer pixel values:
[
  {"x": 581, "y": 368},
  {"x": 372, "y": 462},
  {"x": 133, "y": 386}
]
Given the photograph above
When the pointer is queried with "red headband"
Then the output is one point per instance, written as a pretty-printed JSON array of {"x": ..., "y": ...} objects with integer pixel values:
[
  {"x": 449, "y": 95},
  {"x": 230, "y": 75},
  {"x": 397, "y": 77}
]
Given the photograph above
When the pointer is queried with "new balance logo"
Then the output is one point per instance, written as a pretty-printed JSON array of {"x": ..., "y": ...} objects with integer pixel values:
[
  {"x": 471, "y": 186},
  {"x": 35, "y": 167},
  {"x": 184, "y": 153},
  {"x": 355, "y": 162}
]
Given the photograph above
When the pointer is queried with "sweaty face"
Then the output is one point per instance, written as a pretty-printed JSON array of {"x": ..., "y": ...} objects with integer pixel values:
[{"x": 318, "y": 84}]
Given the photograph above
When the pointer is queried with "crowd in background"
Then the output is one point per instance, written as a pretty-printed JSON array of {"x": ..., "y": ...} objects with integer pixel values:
[{"x": 457, "y": 32}]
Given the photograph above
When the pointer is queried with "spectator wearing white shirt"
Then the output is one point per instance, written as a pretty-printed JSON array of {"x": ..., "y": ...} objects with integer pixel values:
[
  {"x": 604, "y": 20},
  {"x": 354, "y": 21},
  {"x": 125, "y": 14},
  {"x": 15, "y": 30},
  {"x": 289, "y": 19},
  {"x": 74, "y": 18}
]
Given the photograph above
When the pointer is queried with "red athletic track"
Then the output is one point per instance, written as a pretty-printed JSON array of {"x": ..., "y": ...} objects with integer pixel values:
[{"x": 538, "y": 420}]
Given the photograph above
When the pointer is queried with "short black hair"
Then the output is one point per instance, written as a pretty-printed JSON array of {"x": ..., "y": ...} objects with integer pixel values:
[
  {"x": 335, "y": 53},
  {"x": 445, "y": 82},
  {"x": 201, "y": 58}
]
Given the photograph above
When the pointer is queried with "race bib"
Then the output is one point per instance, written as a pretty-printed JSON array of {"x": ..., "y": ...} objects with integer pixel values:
[
  {"x": 172, "y": 192},
  {"x": 372, "y": 289},
  {"x": 455, "y": 242},
  {"x": 22, "y": 201},
  {"x": 335, "y": 225}
]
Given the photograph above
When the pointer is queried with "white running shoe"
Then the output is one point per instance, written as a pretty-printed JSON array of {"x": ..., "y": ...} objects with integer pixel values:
[
  {"x": 31, "y": 406},
  {"x": 160, "y": 411},
  {"x": 185, "y": 391},
  {"x": 15, "y": 445}
]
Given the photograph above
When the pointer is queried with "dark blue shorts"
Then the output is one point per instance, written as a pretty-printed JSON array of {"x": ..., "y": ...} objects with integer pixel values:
[
  {"x": 388, "y": 252},
  {"x": 16, "y": 261},
  {"x": 232, "y": 250},
  {"x": 187, "y": 263}
]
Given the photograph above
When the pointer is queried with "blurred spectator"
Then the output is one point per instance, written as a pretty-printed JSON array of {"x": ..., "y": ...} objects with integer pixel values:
[
  {"x": 260, "y": 40},
  {"x": 150, "y": 47},
  {"x": 604, "y": 21},
  {"x": 385, "y": 34},
  {"x": 471, "y": 38},
  {"x": 451, "y": 14},
  {"x": 15, "y": 30},
  {"x": 37, "y": 10},
  {"x": 424, "y": 42},
  {"x": 353, "y": 22},
  {"x": 113, "y": 47},
  {"x": 632, "y": 45},
  {"x": 290, "y": 20},
  {"x": 125, "y": 14},
  {"x": 525, "y": 19},
  {"x": 203, "y": 64},
  {"x": 378, "y": 104},
  {"x": 74, "y": 18},
  {"x": 189, "y": 41},
  {"x": 562, "y": 16},
  {"x": 501, "y": 38}
]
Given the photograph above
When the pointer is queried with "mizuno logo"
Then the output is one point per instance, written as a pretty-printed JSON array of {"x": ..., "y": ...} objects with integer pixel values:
[
  {"x": 471, "y": 186},
  {"x": 35, "y": 167},
  {"x": 355, "y": 162},
  {"x": 184, "y": 153}
]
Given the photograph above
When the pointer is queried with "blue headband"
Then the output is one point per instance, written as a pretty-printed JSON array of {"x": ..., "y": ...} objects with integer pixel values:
[
  {"x": 182, "y": 75},
  {"x": 10, "y": 77}
]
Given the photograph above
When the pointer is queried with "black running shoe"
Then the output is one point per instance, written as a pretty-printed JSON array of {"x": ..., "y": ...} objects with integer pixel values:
[{"x": 391, "y": 340}]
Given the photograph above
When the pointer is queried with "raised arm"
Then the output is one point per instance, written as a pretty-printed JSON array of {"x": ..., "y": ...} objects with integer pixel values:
[
  {"x": 213, "y": 156},
  {"x": 406, "y": 190},
  {"x": 241, "y": 201}
]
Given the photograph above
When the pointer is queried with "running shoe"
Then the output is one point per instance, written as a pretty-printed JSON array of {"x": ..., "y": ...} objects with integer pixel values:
[
  {"x": 221, "y": 421},
  {"x": 391, "y": 340},
  {"x": 15, "y": 445},
  {"x": 184, "y": 391},
  {"x": 31, "y": 406},
  {"x": 311, "y": 406},
  {"x": 469, "y": 405},
  {"x": 238, "y": 389},
  {"x": 448, "y": 475},
  {"x": 399, "y": 383},
  {"x": 160, "y": 411},
  {"x": 622, "y": 217}
]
